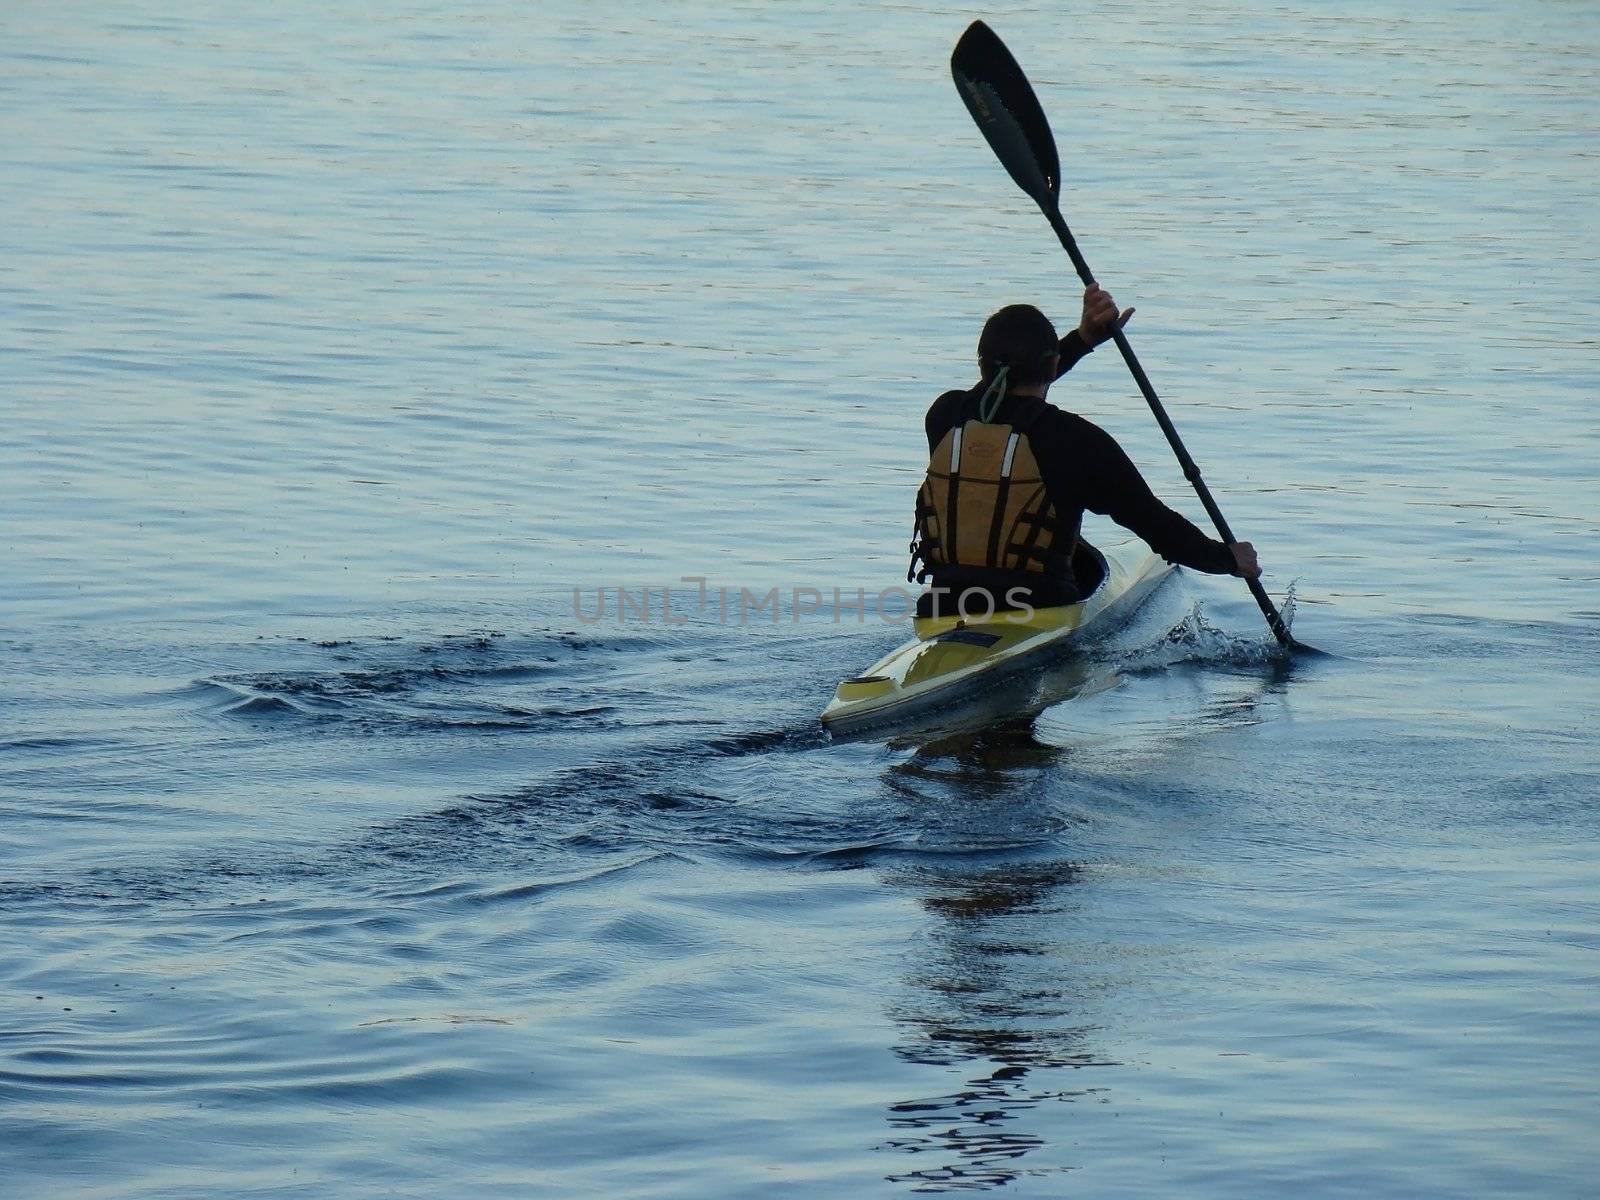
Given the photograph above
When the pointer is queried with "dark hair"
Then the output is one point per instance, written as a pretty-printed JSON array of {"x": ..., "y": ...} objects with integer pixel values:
[{"x": 1021, "y": 337}]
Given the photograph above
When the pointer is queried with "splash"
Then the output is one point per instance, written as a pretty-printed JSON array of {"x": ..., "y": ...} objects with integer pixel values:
[{"x": 1195, "y": 639}]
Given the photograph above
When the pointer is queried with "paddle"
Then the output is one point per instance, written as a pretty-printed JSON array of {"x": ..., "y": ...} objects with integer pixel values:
[{"x": 1002, "y": 102}]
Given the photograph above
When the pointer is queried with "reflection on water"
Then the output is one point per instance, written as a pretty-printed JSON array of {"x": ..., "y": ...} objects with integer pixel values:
[
  {"x": 993, "y": 999},
  {"x": 1009, "y": 988},
  {"x": 966, "y": 1130},
  {"x": 997, "y": 1003}
]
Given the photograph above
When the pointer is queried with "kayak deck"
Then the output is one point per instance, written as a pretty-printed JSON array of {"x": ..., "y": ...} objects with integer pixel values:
[{"x": 951, "y": 659}]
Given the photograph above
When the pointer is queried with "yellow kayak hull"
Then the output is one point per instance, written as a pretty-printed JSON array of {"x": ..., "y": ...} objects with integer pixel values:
[{"x": 950, "y": 659}]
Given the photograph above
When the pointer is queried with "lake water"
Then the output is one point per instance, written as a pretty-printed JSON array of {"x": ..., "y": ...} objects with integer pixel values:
[{"x": 345, "y": 853}]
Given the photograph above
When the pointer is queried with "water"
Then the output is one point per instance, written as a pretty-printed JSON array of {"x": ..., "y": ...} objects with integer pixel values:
[{"x": 341, "y": 856}]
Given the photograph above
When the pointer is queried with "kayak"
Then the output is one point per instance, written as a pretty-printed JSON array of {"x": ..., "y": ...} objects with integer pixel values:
[{"x": 951, "y": 659}]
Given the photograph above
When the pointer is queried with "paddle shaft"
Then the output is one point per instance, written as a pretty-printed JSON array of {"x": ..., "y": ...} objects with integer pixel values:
[{"x": 1190, "y": 471}]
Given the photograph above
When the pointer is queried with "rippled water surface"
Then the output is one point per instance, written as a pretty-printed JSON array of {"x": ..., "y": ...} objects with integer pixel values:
[{"x": 346, "y": 852}]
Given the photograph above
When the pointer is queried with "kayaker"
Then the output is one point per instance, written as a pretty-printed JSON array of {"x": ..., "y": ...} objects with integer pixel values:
[{"x": 1010, "y": 475}]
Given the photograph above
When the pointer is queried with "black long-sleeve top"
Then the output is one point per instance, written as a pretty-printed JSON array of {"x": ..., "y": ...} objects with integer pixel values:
[{"x": 1084, "y": 468}]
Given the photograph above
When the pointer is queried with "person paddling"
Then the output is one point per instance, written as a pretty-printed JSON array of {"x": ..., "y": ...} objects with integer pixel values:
[{"x": 998, "y": 515}]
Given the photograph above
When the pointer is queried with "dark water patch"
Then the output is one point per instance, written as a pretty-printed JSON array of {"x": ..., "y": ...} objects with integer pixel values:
[
  {"x": 43, "y": 57},
  {"x": 347, "y": 684},
  {"x": 214, "y": 695},
  {"x": 265, "y": 707},
  {"x": 417, "y": 701},
  {"x": 1548, "y": 799},
  {"x": 15, "y": 894},
  {"x": 639, "y": 799},
  {"x": 427, "y": 893},
  {"x": 191, "y": 878},
  {"x": 517, "y": 672},
  {"x": 443, "y": 1018},
  {"x": 460, "y": 682},
  {"x": 235, "y": 1062},
  {"x": 609, "y": 808},
  {"x": 520, "y": 893},
  {"x": 837, "y": 858},
  {"x": 757, "y": 742},
  {"x": 319, "y": 920},
  {"x": 67, "y": 743},
  {"x": 511, "y": 718},
  {"x": 69, "y": 810}
]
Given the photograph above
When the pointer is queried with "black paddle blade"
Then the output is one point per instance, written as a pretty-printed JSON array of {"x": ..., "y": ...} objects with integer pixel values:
[{"x": 1001, "y": 101}]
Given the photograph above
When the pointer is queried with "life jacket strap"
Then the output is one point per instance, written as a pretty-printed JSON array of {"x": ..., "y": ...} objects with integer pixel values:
[{"x": 1002, "y": 496}]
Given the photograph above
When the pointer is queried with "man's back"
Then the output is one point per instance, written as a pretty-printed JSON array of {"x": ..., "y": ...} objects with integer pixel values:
[{"x": 1084, "y": 468}]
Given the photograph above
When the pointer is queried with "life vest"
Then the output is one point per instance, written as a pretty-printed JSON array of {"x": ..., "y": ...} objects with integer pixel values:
[{"x": 983, "y": 506}]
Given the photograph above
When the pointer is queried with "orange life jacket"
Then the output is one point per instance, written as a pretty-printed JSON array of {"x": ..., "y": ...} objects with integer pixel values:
[{"x": 983, "y": 506}]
